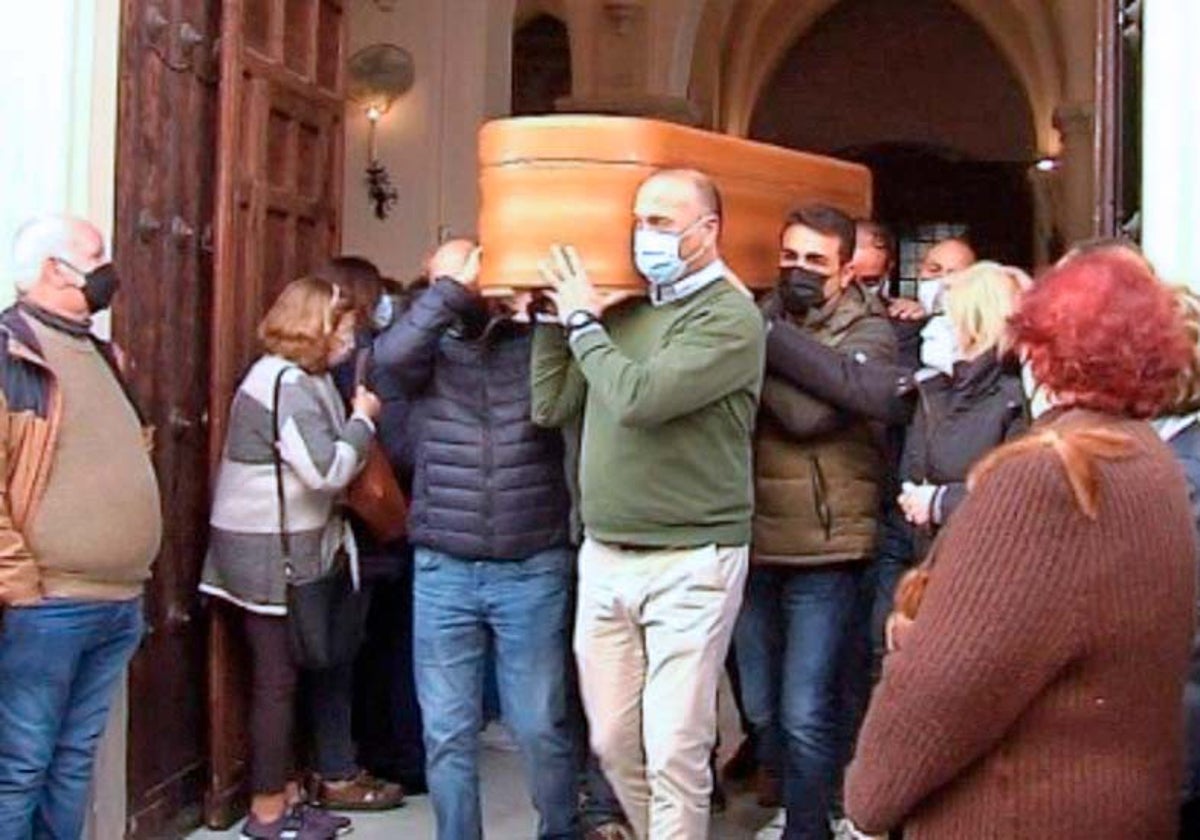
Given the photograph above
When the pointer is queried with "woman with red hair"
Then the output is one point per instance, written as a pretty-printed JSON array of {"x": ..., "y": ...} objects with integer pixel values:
[{"x": 1038, "y": 691}]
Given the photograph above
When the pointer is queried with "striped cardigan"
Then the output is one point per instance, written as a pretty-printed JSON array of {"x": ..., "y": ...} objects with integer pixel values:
[{"x": 321, "y": 452}]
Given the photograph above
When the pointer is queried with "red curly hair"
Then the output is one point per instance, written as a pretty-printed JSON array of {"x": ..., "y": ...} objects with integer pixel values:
[{"x": 1102, "y": 332}]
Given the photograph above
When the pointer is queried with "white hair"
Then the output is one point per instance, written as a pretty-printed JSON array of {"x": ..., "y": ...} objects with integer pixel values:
[{"x": 37, "y": 240}]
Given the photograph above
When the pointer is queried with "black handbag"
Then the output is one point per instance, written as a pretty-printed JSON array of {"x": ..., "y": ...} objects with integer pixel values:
[{"x": 326, "y": 614}]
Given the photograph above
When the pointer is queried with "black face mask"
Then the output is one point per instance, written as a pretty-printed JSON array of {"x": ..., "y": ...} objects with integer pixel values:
[
  {"x": 801, "y": 289},
  {"x": 99, "y": 286}
]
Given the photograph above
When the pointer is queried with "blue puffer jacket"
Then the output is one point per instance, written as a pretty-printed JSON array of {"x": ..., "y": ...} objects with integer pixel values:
[
  {"x": 1186, "y": 446},
  {"x": 487, "y": 483}
]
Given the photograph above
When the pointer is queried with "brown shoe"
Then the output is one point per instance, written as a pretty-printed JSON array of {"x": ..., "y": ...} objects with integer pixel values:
[
  {"x": 768, "y": 789},
  {"x": 362, "y": 793}
]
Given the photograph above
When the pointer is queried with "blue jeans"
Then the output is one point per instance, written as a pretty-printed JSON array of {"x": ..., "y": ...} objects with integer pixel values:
[
  {"x": 790, "y": 638},
  {"x": 522, "y": 609},
  {"x": 59, "y": 665}
]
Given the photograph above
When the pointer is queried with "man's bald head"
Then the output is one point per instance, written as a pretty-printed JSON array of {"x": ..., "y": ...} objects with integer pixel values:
[
  {"x": 946, "y": 257},
  {"x": 448, "y": 259},
  {"x": 690, "y": 190}
]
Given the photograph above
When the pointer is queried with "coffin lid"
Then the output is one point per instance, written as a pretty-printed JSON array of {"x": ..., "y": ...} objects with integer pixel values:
[{"x": 574, "y": 138}]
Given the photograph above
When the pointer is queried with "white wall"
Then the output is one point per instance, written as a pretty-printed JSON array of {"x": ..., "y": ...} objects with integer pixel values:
[
  {"x": 427, "y": 140},
  {"x": 1171, "y": 140},
  {"x": 59, "y": 100},
  {"x": 58, "y": 155}
]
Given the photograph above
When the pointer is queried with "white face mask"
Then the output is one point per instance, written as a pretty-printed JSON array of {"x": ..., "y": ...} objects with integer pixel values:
[
  {"x": 1040, "y": 400},
  {"x": 929, "y": 294},
  {"x": 939, "y": 345},
  {"x": 656, "y": 254},
  {"x": 384, "y": 312}
]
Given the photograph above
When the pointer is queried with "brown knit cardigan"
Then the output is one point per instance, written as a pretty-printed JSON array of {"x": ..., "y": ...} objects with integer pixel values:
[{"x": 1039, "y": 691}]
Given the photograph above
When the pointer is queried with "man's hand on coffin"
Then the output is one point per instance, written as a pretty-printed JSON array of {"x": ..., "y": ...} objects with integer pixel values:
[
  {"x": 460, "y": 265},
  {"x": 570, "y": 290}
]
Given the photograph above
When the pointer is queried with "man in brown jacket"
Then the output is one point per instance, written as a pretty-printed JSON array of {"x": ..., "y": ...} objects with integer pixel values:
[
  {"x": 818, "y": 473},
  {"x": 80, "y": 524}
]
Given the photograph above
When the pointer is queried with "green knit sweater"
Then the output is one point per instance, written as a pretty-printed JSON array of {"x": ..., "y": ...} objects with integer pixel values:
[{"x": 668, "y": 396}]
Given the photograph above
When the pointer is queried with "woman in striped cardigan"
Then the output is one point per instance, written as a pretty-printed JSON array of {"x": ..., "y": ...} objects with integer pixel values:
[{"x": 289, "y": 397}]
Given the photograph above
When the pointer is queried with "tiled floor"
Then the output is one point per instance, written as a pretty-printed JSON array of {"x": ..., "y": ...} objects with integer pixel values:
[{"x": 508, "y": 815}]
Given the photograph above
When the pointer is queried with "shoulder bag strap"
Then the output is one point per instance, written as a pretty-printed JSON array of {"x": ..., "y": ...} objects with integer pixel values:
[{"x": 277, "y": 457}]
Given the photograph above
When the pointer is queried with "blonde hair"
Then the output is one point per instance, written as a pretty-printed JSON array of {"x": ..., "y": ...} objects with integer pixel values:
[
  {"x": 302, "y": 322},
  {"x": 1187, "y": 399},
  {"x": 979, "y": 301}
]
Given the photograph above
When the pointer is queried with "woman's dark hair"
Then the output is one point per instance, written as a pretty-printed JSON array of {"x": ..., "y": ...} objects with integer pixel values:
[{"x": 359, "y": 279}]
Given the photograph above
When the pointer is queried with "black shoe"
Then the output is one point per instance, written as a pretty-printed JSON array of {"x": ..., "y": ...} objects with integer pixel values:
[
  {"x": 717, "y": 801},
  {"x": 414, "y": 784},
  {"x": 741, "y": 767}
]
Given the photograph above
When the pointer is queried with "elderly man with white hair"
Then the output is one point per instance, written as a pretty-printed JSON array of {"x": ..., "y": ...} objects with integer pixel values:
[{"x": 80, "y": 524}]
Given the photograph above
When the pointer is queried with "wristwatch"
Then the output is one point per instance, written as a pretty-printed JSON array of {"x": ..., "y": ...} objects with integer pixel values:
[{"x": 579, "y": 319}]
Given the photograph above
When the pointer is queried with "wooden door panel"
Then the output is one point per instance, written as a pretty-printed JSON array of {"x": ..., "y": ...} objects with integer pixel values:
[
  {"x": 278, "y": 200},
  {"x": 164, "y": 203}
]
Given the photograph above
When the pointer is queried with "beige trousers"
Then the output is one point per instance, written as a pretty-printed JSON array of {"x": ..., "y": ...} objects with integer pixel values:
[{"x": 651, "y": 636}]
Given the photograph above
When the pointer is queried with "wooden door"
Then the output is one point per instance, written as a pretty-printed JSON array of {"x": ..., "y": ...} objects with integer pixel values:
[
  {"x": 278, "y": 215},
  {"x": 162, "y": 244}
]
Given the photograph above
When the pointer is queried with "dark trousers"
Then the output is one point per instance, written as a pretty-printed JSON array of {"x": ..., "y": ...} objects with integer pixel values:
[
  {"x": 328, "y": 696},
  {"x": 272, "y": 702},
  {"x": 387, "y": 714}
]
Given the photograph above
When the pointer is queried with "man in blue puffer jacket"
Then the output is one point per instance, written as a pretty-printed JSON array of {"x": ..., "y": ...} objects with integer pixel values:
[{"x": 489, "y": 526}]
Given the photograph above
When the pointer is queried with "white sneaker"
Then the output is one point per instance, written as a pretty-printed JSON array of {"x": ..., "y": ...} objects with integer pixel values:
[{"x": 842, "y": 829}]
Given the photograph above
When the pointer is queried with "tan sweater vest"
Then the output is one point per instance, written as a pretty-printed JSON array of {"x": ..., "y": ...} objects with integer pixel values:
[{"x": 97, "y": 528}]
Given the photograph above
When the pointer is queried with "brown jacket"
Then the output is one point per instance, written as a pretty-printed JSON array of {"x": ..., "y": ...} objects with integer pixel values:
[
  {"x": 1039, "y": 691},
  {"x": 30, "y": 413},
  {"x": 818, "y": 471}
]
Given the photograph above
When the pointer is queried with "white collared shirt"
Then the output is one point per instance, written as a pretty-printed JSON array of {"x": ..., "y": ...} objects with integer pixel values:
[{"x": 687, "y": 286}]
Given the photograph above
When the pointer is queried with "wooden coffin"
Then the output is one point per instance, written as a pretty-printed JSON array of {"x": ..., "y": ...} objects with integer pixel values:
[{"x": 572, "y": 179}]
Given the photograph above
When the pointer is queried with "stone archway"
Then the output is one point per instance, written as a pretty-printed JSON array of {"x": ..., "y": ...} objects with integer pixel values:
[
  {"x": 1050, "y": 47},
  {"x": 749, "y": 38},
  {"x": 851, "y": 82},
  {"x": 937, "y": 112}
]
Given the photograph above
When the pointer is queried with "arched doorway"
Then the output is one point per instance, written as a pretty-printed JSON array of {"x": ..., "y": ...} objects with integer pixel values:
[
  {"x": 541, "y": 65},
  {"x": 919, "y": 92}
]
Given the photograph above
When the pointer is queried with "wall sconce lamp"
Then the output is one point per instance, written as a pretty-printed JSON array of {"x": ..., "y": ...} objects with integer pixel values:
[
  {"x": 1047, "y": 164},
  {"x": 378, "y": 76}
]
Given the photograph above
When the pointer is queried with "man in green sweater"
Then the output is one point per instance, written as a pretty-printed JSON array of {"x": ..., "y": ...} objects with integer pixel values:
[{"x": 668, "y": 388}]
